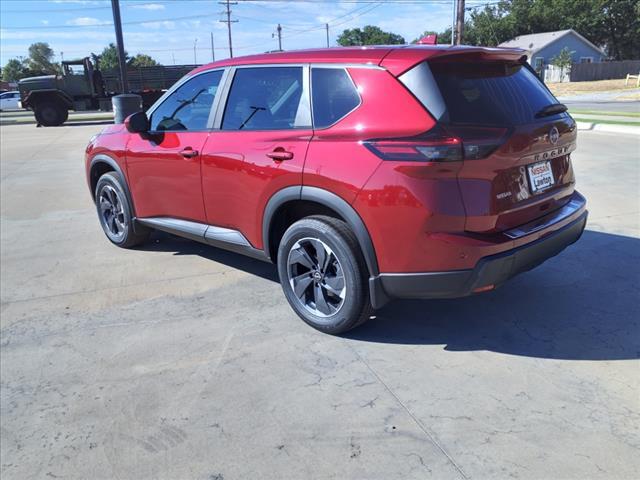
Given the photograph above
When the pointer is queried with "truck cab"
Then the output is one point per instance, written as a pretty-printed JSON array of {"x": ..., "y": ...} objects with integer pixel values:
[{"x": 80, "y": 87}]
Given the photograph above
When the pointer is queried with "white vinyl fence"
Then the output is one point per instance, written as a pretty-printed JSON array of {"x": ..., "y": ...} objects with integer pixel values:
[{"x": 553, "y": 74}]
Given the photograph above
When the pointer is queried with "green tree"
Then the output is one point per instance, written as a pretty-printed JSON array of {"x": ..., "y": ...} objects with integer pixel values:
[
  {"x": 614, "y": 24},
  {"x": 142, "y": 60},
  {"x": 13, "y": 71},
  {"x": 41, "y": 59},
  {"x": 108, "y": 59},
  {"x": 369, "y": 35},
  {"x": 564, "y": 59}
]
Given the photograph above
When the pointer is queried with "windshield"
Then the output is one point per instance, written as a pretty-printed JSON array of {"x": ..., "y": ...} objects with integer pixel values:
[{"x": 489, "y": 93}]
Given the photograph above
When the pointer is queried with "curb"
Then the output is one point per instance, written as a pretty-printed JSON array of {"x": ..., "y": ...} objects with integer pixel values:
[
  {"x": 32, "y": 121},
  {"x": 606, "y": 127}
]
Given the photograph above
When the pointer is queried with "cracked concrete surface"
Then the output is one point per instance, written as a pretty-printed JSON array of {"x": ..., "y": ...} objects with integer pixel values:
[{"x": 178, "y": 360}]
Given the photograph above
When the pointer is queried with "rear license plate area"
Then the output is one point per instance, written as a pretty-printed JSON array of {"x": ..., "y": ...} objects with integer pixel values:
[{"x": 540, "y": 176}]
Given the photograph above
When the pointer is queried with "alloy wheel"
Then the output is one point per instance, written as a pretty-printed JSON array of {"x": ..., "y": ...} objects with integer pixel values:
[
  {"x": 316, "y": 277},
  {"x": 112, "y": 213}
]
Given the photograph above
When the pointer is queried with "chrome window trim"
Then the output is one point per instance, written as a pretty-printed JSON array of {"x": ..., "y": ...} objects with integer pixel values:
[
  {"x": 355, "y": 87},
  {"x": 177, "y": 85},
  {"x": 305, "y": 97},
  {"x": 371, "y": 66}
]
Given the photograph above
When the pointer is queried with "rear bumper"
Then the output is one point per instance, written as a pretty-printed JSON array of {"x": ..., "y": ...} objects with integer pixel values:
[{"x": 492, "y": 270}]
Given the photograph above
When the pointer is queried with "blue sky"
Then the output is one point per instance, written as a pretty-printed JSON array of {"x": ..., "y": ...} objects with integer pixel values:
[{"x": 168, "y": 29}]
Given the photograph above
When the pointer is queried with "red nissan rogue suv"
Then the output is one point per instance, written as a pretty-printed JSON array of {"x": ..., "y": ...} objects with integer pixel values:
[{"x": 365, "y": 174}]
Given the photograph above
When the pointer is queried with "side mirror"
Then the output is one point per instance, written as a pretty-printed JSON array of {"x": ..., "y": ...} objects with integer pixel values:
[{"x": 137, "y": 123}]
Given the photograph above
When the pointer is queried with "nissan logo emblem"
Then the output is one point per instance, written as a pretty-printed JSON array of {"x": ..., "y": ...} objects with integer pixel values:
[{"x": 554, "y": 135}]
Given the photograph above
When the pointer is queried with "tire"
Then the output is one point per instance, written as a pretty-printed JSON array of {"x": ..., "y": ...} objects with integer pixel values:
[
  {"x": 341, "y": 286},
  {"x": 51, "y": 114},
  {"x": 114, "y": 213}
]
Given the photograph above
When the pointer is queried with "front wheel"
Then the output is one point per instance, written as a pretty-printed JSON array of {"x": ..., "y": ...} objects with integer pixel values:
[
  {"x": 323, "y": 275},
  {"x": 114, "y": 213},
  {"x": 51, "y": 114}
]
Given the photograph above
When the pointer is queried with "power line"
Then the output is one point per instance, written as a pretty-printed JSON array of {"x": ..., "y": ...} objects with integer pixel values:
[
  {"x": 82, "y": 9},
  {"x": 110, "y": 24}
]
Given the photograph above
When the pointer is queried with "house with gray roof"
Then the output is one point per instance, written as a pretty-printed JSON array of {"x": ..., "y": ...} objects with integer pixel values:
[{"x": 543, "y": 47}]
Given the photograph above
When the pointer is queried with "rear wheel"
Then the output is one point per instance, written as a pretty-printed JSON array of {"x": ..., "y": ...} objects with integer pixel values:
[
  {"x": 323, "y": 275},
  {"x": 51, "y": 114},
  {"x": 114, "y": 213}
]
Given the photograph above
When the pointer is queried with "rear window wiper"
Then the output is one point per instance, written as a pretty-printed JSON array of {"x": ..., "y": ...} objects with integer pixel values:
[{"x": 551, "y": 110}]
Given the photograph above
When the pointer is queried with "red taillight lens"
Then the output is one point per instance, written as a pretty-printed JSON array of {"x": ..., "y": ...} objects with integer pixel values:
[
  {"x": 479, "y": 142},
  {"x": 440, "y": 145},
  {"x": 432, "y": 146}
]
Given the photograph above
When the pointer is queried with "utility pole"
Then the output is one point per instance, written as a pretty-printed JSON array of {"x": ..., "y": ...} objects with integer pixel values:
[
  {"x": 460, "y": 22},
  {"x": 279, "y": 38},
  {"x": 453, "y": 22},
  {"x": 195, "y": 58},
  {"x": 61, "y": 57},
  {"x": 213, "y": 55},
  {"x": 326, "y": 26},
  {"x": 173, "y": 56},
  {"x": 122, "y": 61},
  {"x": 228, "y": 21}
]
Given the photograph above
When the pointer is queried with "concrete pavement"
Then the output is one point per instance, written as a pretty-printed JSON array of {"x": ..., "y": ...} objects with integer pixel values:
[
  {"x": 23, "y": 117},
  {"x": 177, "y": 360}
]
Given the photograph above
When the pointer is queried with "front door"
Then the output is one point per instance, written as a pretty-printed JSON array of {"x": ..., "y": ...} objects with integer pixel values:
[
  {"x": 259, "y": 148},
  {"x": 163, "y": 166}
]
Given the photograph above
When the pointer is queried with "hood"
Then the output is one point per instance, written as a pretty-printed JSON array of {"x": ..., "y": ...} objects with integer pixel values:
[{"x": 37, "y": 79}]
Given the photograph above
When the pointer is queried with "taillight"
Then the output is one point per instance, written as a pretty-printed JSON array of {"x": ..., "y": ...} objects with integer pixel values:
[
  {"x": 479, "y": 142},
  {"x": 432, "y": 146},
  {"x": 452, "y": 144}
]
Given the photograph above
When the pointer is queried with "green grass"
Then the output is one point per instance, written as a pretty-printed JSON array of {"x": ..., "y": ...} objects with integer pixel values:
[
  {"x": 606, "y": 114},
  {"x": 607, "y": 121}
]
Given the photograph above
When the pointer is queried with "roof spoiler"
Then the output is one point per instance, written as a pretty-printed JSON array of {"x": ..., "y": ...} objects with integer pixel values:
[{"x": 400, "y": 60}]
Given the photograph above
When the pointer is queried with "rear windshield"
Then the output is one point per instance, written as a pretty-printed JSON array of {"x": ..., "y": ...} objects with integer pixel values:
[{"x": 489, "y": 93}]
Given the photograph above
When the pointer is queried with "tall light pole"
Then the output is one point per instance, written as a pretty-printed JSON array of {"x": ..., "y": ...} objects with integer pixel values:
[
  {"x": 122, "y": 61},
  {"x": 195, "y": 58},
  {"x": 213, "y": 55},
  {"x": 326, "y": 26}
]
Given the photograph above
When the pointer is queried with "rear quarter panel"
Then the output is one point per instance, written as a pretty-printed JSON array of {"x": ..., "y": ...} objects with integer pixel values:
[{"x": 337, "y": 160}]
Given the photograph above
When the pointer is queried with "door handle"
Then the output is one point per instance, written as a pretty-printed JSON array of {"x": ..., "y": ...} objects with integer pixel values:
[
  {"x": 189, "y": 152},
  {"x": 279, "y": 154}
]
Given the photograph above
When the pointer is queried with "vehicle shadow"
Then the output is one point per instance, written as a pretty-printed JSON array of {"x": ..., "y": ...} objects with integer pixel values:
[
  {"x": 582, "y": 305},
  {"x": 164, "y": 242}
]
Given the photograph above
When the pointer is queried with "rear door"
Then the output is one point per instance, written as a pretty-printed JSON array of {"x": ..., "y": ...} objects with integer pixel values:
[
  {"x": 517, "y": 143},
  {"x": 164, "y": 165},
  {"x": 258, "y": 146}
]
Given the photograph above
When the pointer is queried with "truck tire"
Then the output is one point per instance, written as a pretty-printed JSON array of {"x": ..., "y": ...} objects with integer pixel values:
[{"x": 51, "y": 114}]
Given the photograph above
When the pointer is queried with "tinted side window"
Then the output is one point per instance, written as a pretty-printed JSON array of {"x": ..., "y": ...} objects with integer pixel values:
[
  {"x": 334, "y": 95},
  {"x": 267, "y": 98},
  {"x": 188, "y": 108}
]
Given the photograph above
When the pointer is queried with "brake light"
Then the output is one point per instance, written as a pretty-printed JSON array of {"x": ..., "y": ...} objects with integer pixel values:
[
  {"x": 479, "y": 142},
  {"x": 452, "y": 144},
  {"x": 433, "y": 146}
]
